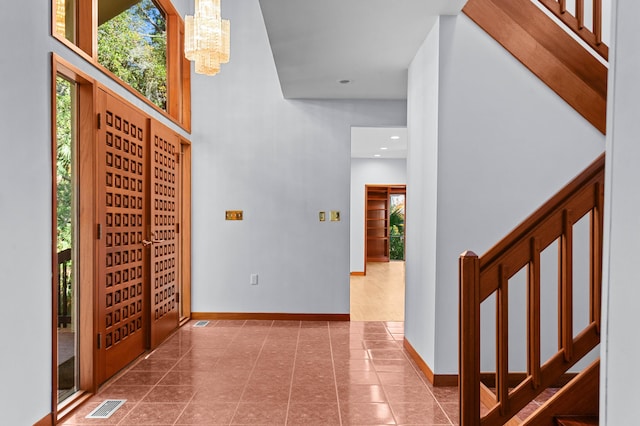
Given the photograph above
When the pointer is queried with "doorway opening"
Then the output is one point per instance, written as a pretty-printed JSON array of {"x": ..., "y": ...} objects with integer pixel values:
[
  {"x": 384, "y": 223},
  {"x": 378, "y": 157}
]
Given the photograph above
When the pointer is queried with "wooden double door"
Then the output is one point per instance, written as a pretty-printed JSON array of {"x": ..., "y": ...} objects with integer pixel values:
[{"x": 137, "y": 195}]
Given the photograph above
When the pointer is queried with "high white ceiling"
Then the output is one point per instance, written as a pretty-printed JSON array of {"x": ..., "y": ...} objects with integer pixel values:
[
  {"x": 316, "y": 44},
  {"x": 379, "y": 142}
]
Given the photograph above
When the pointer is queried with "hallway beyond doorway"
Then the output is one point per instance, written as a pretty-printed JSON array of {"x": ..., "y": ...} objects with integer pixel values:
[{"x": 379, "y": 295}]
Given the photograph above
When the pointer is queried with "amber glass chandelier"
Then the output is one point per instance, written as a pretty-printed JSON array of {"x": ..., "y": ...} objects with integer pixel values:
[
  {"x": 61, "y": 18},
  {"x": 207, "y": 37}
]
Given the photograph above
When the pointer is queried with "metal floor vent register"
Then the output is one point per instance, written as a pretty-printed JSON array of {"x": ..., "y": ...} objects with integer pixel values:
[
  {"x": 106, "y": 409},
  {"x": 201, "y": 324}
]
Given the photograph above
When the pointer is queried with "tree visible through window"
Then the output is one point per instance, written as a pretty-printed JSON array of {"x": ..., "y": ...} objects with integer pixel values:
[
  {"x": 64, "y": 160},
  {"x": 396, "y": 227},
  {"x": 133, "y": 45}
]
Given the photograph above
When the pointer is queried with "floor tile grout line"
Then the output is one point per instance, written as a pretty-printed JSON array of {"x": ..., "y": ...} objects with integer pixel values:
[
  {"x": 335, "y": 378},
  {"x": 126, "y": 370},
  {"x": 293, "y": 372},
  {"x": 130, "y": 369},
  {"x": 184, "y": 409},
  {"x": 225, "y": 350},
  {"x": 255, "y": 362},
  {"x": 195, "y": 388},
  {"x": 384, "y": 390}
]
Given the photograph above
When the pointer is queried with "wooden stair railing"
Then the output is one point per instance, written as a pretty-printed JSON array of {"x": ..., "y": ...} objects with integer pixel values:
[
  {"x": 481, "y": 277},
  {"x": 549, "y": 51},
  {"x": 589, "y": 32},
  {"x": 577, "y": 399}
]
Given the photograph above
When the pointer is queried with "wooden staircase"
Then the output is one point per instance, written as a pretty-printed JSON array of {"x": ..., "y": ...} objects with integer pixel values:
[
  {"x": 577, "y": 421},
  {"x": 578, "y": 400},
  {"x": 549, "y": 51},
  {"x": 576, "y": 75},
  {"x": 488, "y": 276}
]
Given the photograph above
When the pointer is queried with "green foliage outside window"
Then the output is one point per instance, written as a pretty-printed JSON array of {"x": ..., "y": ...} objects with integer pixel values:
[
  {"x": 64, "y": 122},
  {"x": 133, "y": 45},
  {"x": 396, "y": 223}
]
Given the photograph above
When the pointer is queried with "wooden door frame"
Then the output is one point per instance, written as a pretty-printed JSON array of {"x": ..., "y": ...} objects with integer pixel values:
[
  {"x": 391, "y": 189},
  {"x": 85, "y": 146},
  {"x": 87, "y": 132},
  {"x": 185, "y": 230}
]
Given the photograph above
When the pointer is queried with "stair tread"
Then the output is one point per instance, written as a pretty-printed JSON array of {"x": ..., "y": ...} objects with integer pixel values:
[{"x": 577, "y": 421}]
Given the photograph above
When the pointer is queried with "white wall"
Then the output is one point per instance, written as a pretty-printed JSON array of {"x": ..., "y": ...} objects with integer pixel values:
[
  {"x": 282, "y": 162},
  {"x": 505, "y": 144},
  {"x": 25, "y": 200},
  {"x": 422, "y": 192},
  {"x": 620, "y": 344},
  {"x": 367, "y": 171}
]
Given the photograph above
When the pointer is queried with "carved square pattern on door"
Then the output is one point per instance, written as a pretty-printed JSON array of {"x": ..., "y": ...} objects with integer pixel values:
[
  {"x": 123, "y": 214},
  {"x": 165, "y": 146}
]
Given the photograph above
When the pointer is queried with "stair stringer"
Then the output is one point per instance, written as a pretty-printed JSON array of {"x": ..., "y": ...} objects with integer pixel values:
[
  {"x": 579, "y": 397},
  {"x": 547, "y": 51}
]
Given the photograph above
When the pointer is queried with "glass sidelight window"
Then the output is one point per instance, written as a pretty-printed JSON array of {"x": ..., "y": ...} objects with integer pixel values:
[{"x": 66, "y": 220}]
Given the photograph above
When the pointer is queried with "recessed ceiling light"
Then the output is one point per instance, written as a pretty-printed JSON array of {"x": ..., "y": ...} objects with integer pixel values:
[
  {"x": 345, "y": 81},
  {"x": 376, "y": 155},
  {"x": 395, "y": 137},
  {"x": 384, "y": 148}
]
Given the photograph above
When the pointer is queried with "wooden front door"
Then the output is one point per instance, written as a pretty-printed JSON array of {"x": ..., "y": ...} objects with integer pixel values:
[
  {"x": 164, "y": 207},
  {"x": 123, "y": 217},
  {"x": 138, "y": 248}
]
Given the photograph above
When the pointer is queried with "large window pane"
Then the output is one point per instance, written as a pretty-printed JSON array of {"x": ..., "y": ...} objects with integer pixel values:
[
  {"x": 132, "y": 43},
  {"x": 66, "y": 224}
]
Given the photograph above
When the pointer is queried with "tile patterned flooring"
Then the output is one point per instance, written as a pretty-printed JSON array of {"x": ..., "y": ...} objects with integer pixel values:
[{"x": 277, "y": 373}]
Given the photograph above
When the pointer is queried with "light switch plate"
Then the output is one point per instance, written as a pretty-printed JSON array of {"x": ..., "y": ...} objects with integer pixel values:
[
  {"x": 335, "y": 216},
  {"x": 233, "y": 215},
  {"x": 322, "y": 216}
]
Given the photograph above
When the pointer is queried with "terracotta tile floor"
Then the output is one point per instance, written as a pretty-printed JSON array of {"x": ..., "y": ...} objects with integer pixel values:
[{"x": 277, "y": 373}]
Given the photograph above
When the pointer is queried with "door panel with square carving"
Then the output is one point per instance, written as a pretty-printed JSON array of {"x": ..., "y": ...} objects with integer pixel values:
[
  {"x": 122, "y": 193},
  {"x": 164, "y": 151}
]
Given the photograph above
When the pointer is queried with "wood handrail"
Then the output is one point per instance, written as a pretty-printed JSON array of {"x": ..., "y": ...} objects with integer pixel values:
[
  {"x": 549, "y": 51},
  {"x": 481, "y": 277},
  {"x": 577, "y": 24}
]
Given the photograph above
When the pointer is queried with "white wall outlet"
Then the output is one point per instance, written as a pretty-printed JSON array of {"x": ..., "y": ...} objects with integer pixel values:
[{"x": 253, "y": 279}]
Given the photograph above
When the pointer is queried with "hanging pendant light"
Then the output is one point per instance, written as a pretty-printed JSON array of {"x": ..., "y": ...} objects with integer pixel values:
[
  {"x": 207, "y": 37},
  {"x": 61, "y": 18}
]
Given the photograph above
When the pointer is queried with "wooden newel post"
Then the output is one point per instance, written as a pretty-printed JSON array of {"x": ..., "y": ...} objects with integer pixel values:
[{"x": 469, "y": 338}]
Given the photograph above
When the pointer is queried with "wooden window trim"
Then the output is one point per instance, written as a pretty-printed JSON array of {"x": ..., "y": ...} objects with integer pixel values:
[
  {"x": 85, "y": 132},
  {"x": 178, "y": 67},
  {"x": 185, "y": 230}
]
